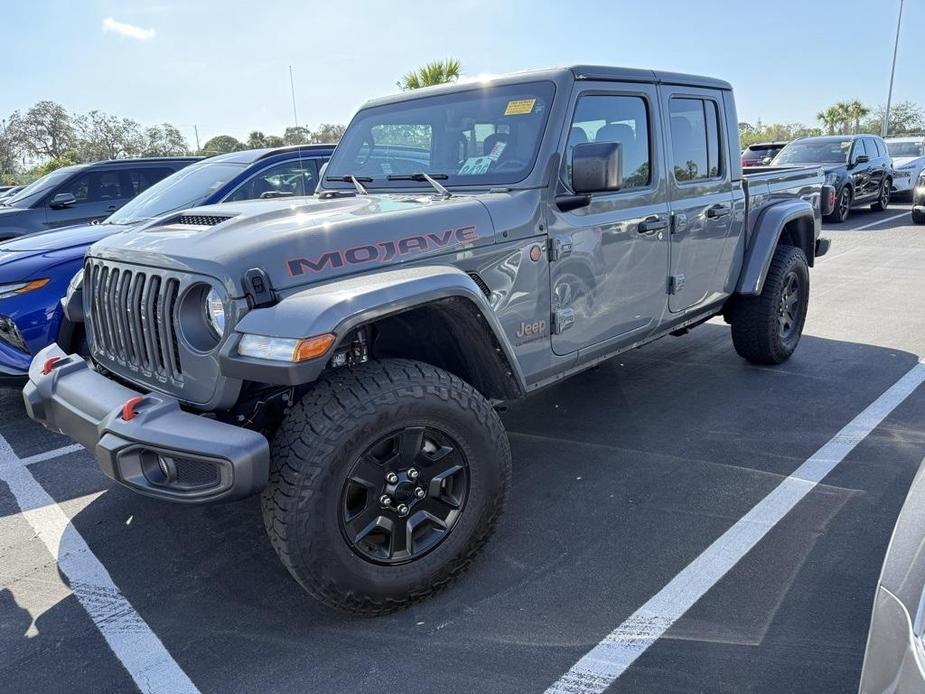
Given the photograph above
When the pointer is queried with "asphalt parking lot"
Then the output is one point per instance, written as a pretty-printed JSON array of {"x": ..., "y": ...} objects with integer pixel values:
[{"x": 624, "y": 478}]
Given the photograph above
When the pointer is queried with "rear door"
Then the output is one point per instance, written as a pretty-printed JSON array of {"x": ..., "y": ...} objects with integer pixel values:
[
  {"x": 878, "y": 164},
  {"x": 611, "y": 256},
  {"x": 861, "y": 171},
  {"x": 700, "y": 190}
]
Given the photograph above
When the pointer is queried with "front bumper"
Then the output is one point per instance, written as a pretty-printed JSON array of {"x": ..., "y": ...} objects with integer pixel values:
[
  {"x": 902, "y": 183},
  {"x": 827, "y": 202},
  {"x": 162, "y": 451}
]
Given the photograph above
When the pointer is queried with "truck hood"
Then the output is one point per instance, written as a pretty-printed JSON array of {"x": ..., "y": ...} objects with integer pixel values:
[
  {"x": 902, "y": 161},
  {"x": 297, "y": 241},
  {"x": 32, "y": 256}
]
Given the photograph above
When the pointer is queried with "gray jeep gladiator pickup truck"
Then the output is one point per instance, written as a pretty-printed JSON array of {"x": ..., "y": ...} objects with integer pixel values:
[{"x": 345, "y": 354}]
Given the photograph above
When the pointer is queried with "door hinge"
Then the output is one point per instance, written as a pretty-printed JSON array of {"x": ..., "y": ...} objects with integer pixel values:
[
  {"x": 676, "y": 284},
  {"x": 562, "y": 320},
  {"x": 559, "y": 247}
]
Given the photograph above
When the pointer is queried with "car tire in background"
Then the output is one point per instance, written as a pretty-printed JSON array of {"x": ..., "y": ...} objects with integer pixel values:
[
  {"x": 918, "y": 217},
  {"x": 386, "y": 480},
  {"x": 767, "y": 328},
  {"x": 883, "y": 199},
  {"x": 842, "y": 206}
]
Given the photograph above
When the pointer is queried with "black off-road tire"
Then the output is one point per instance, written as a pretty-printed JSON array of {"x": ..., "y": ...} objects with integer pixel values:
[
  {"x": 883, "y": 197},
  {"x": 842, "y": 206},
  {"x": 321, "y": 438},
  {"x": 918, "y": 217},
  {"x": 757, "y": 331}
]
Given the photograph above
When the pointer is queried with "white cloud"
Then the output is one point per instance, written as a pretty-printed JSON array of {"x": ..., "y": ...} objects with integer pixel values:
[{"x": 128, "y": 30}]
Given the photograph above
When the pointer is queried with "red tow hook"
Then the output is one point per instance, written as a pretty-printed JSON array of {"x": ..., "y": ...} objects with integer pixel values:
[
  {"x": 128, "y": 409},
  {"x": 50, "y": 364}
]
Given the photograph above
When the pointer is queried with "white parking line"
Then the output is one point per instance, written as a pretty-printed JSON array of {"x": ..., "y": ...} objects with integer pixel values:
[
  {"x": 141, "y": 652},
  {"x": 604, "y": 663},
  {"x": 880, "y": 221}
]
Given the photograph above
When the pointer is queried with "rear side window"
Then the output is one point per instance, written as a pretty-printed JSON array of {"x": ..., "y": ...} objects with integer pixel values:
[
  {"x": 859, "y": 148},
  {"x": 142, "y": 179},
  {"x": 877, "y": 146},
  {"x": 621, "y": 119},
  {"x": 695, "y": 139}
]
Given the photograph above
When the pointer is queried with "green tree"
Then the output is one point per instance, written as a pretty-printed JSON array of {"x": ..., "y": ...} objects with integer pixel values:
[
  {"x": 831, "y": 119},
  {"x": 297, "y": 135},
  {"x": 68, "y": 159},
  {"x": 102, "y": 136},
  {"x": 437, "y": 72},
  {"x": 905, "y": 118},
  {"x": 256, "y": 140},
  {"x": 328, "y": 133},
  {"x": 45, "y": 130},
  {"x": 9, "y": 154},
  {"x": 275, "y": 141},
  {"x": 222, "y": 144},
  {"x": 164, "y": 140},
  {"x": 855, "y": 111}
]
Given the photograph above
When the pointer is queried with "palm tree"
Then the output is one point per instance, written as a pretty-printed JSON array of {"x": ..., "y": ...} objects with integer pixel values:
[
  {"x": 831, "y": 118},
  {"x": 437, "y": 72},
  {"x": 855, "y": 112}
]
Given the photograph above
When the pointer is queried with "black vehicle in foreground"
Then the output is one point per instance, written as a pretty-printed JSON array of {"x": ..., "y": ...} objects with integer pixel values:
[
  {"x": 918, "y": 201},
  {"x": 761, "y": 153},
  {"x": 857, "y": 166},
  {"x": 82, "y": 193}
]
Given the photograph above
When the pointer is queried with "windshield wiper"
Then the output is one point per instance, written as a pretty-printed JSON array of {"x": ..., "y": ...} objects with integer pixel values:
[
  {"x": 357, "y": 182},
  {"x": 432, "y": 179}
]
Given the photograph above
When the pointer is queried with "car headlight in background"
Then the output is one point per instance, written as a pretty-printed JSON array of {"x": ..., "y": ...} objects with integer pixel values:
[
  {"x": 831, "y": 178},
  {"x": 14, "y": 288},
  {"x": 9, "y": 333},
  {"x": 215, "y": 312},
  {"x": 287, "y": 349}
]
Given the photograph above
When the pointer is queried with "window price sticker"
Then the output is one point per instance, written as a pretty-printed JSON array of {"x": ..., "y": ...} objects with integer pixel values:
[{"x": 519, "y": 107}]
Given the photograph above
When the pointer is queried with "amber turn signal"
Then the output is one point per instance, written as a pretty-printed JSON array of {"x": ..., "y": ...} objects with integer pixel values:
[{"x": 311, "y": 347}]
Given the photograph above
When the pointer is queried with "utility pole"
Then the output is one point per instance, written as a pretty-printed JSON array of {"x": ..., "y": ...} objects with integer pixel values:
[
  {"x": 885, "y": 126},
  {"x": 295, "y": 115},
  {"x": 196, "y": 133}
]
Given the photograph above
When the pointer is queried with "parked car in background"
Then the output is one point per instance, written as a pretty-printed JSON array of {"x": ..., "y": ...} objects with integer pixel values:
[
  {"x": 9, "y": 191},
  {"x": 857, "y": 166},
  {"x": 35, "y": 270},
  {"x": 918, "y": 200},
  {"x": 82, "y": 193},
  {"x": 908, "y": 154},
  {"x": 894, "y": 660},
  {"x": 761, "y": 153}
]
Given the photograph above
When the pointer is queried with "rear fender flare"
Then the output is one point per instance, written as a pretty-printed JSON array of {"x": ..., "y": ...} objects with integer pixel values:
[{"x": 765, "y": 237}]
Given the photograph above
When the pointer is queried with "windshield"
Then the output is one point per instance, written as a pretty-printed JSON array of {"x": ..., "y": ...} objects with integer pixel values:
[
  {"x": 38, "y": 188},
  {"x": 905, "y": 149},
  {"x": 815, "y": 152},
  {"x": 484, "y": 136},
  {"x": 188, "y": 187}
]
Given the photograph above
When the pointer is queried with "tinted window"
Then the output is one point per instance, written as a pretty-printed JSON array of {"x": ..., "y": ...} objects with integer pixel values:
[
  {"x": 142, "y": 179},
  {"x": 97, "y": 186},
  {"x": 695, "y": 139},
  {"x": 35, "y": 190},
  {"x": 295, "y": 177},
  {"x": 814, "y": 152},
  {"x": 906, "y": 149},
  {"x": 859, "y": 149},
  {"x": 621, "y": 119}
]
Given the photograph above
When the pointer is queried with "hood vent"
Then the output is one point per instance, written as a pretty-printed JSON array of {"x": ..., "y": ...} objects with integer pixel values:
[{"x": 197, "y": 220}]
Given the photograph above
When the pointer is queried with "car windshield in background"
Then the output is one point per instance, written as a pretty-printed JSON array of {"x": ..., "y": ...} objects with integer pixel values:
[
  {"x": 483, "y": 136},
  {"x": 905, "y": 149},
  {"x": 38, "y": 188},
  {"x": 817, "y": 152},
  {"x": 188, "y": 187}
]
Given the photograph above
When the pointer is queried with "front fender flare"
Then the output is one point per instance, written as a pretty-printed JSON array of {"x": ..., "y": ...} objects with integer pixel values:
[
  {"x": 764, "y": 239},
  {"x": 340, "y": 306}
]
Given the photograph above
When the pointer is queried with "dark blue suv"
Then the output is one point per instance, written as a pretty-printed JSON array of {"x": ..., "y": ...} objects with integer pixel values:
[
  {"x": 35, "y": 269},
  {"x": 82, "y": 193}
]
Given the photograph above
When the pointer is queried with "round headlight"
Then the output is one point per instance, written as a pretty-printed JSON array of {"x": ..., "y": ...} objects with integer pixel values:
[
  {"x": 76, "y": 280},
  {"x": 215, "y": 312}
]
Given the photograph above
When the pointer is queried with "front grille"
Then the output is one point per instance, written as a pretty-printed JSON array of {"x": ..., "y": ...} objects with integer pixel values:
[
  {"x": 132, "y": 316},
  {"x": 193, "y": 473}
]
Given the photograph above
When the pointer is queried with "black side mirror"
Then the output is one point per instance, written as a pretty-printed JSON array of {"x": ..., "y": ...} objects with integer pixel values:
[
  {"x": 597, "y": 167},
  {"x": 862, "y": 159},
  {"x": 62, "y": 200}
]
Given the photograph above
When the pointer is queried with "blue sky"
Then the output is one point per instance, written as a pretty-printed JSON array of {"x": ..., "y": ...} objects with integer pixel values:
[{"x": 223, "y": 64}]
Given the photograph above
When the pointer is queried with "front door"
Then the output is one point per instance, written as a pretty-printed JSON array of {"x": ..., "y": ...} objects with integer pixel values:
[
  {"x": 611, "y": 256},
  {"x": 98, "y": 194},
  {"x": 701, "y": 194}
]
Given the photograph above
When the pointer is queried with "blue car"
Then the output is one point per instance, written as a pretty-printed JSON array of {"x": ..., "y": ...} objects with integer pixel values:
[{"x": 35, "y": 270}]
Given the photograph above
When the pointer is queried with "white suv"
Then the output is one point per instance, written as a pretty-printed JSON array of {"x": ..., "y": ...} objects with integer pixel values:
[{"x": 908, "y": 154}]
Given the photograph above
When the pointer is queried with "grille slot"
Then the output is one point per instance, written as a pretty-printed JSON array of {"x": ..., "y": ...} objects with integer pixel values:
[
  {"x": 132, "y": 318},
  {"x": 201, "y": 220}
]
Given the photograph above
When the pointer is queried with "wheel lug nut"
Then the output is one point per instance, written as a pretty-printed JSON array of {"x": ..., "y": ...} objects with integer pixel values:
[
  {"x": 419, "y": 492},
  {"x": 402, "y": 510},
  {"x": 412, "y": 474},
  {"x": 385, "y": 500},
  {"x": 391, "y": 478}
]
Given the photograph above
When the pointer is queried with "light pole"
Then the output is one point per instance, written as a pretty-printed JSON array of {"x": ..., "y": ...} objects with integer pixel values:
[
  {"x": 295, "y": 114},
  {"x": 884, "y": 127}
]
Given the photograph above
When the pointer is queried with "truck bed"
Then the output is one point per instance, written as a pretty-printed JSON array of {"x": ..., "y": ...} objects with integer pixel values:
[{"x": 764, "y": 185}]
